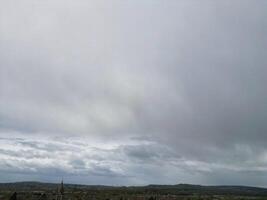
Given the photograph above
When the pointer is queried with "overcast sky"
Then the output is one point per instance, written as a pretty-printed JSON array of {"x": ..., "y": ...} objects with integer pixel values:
[{"x": 133, "y": 92}]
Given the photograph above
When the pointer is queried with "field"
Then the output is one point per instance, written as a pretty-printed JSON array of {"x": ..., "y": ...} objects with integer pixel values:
[{"x": 42, "y": 191}]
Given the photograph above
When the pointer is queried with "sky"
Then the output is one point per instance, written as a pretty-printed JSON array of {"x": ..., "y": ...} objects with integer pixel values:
[{"x": 134, "y": 92}]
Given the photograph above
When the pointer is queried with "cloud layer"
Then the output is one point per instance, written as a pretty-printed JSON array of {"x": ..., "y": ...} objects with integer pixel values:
[
  {"x": 133, "y": 92},
  {"x": 135, "y": 161}
]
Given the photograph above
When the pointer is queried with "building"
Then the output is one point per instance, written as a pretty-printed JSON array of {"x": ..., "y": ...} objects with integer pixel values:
[{"x": 60, "y": 193}]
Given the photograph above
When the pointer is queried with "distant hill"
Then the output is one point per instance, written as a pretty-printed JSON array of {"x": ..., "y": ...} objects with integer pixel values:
[{"x": 179, "y": 189}]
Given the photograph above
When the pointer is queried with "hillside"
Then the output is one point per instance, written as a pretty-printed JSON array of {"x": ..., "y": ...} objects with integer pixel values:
[{"x": 179, "y": 189}]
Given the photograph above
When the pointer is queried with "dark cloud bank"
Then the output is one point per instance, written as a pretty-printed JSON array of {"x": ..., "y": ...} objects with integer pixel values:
[{"x": 134, "y": 92}]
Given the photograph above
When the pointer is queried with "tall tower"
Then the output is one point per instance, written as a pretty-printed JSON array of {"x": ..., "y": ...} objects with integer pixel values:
[
  {"x": 60, "y": 193},
  {"x": 61, "y": 189}
]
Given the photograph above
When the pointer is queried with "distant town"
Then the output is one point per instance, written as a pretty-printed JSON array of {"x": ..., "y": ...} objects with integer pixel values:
[{"x": 61, "y": 191}]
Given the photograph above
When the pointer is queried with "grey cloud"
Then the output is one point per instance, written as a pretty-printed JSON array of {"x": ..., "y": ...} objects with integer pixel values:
[
  {"x": 151, "y": 152},
  {"x": 79, "y": 164},
  {"x": 177, "y": 84}
]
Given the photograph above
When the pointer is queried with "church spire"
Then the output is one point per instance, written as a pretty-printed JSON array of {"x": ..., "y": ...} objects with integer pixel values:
[
  {"x": 61, "y": 189},
  {"x": 60, "y": 193}
]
